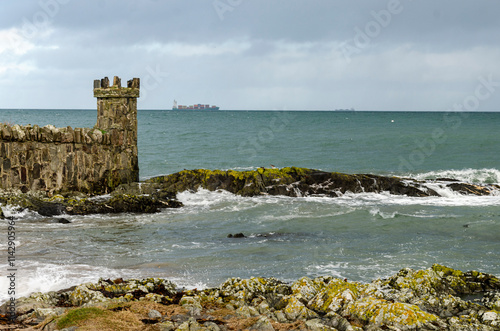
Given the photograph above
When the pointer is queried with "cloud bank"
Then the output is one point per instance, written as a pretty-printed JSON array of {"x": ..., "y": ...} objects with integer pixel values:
[{"x": 240, "y": 54}]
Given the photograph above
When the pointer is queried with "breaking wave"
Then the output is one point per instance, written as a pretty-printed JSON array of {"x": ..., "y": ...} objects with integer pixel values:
[{"x": 476, "y": 176}]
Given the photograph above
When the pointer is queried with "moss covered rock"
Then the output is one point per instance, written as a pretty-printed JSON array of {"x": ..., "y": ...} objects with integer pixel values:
[
  {"x": 335, "y": 295},
  {"x": 79, "y": 204},
  {"x": 293, "y": 181},
  {"x": 403, "y": 316},
  {"x": 427, "y": 299}
]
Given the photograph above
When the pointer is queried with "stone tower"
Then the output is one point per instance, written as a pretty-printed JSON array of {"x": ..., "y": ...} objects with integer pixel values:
[
  {"x": 88, "y": 160},
  {"x": 117, "y": 115}
]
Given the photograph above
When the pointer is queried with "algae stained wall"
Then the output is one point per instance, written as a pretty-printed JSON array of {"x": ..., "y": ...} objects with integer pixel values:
[{"x": 89, "y": 160}]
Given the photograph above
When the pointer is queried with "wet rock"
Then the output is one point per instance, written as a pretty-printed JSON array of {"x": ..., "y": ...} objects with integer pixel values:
[
  {"x": 468, "y": 189},
  {"x": 60, "y": 220},
  {"x": 236, "y": 235},
  {"x": 301, "y": 182},
  {"x": 84, "y": 205}
]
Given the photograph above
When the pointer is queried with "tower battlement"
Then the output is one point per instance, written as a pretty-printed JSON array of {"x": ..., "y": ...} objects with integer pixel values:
[
  {"x": 117, "y": 105},
  {"x": 102, "y": 89}
]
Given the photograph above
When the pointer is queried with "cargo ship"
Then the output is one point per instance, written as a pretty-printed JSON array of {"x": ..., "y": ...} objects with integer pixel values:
[{"x": 198, "y": 106}]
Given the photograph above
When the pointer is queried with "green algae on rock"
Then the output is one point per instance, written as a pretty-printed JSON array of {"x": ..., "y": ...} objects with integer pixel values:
[
  {"x": 160, "y": 192},
  {"x": 427, "y": 299},
  {"x": 80, "y": 204},
  {"x": 293, "y": 181}
]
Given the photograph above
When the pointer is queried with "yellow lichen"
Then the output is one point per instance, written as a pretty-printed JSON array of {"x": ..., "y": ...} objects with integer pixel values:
[
  {"x": 384, "y": 313},
  {"x": 336, "y": 294}
]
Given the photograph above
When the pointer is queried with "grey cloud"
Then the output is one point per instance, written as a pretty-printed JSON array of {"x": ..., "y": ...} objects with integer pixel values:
[{"x": 285, "y": 51}]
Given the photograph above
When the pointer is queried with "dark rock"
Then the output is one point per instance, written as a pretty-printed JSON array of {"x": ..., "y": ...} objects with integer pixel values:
[
  {"x": 84, "y": 205},
  {"x": 446, "y": 180},
  {"x": 46, "y": 208},
  {"x": 270, "y": 235},
  {"x": 236, "y": 235},
  {"x": 288, "y": 181},
  {"x": 160, "y": 192},
  {"x": 302, "y": 182},
  {"x": 59, "y": 220},
  {"x": 467, "y": 189}
]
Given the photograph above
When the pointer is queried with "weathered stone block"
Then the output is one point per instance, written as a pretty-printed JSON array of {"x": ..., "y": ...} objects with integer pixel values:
[
  {"x": 6, "y": 132},
  {"x": 6, "y": 165}
]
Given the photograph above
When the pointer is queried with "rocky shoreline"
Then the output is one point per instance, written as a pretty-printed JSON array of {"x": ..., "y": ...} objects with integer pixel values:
[
  {"x": 160, "y": 192},
  {"x": 438, "y": 298}
]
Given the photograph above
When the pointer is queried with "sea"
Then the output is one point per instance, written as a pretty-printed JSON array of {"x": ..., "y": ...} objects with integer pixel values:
[{"x": 360, "y": 237}]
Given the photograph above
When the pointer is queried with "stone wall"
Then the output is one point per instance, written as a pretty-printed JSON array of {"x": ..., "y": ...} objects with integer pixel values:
[{"x": 88, "y": 160}]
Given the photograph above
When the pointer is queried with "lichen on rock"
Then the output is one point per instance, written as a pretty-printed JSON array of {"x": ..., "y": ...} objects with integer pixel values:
[
  {"x": 429, "y": 299},
  {"x": 294, "y": 181}
]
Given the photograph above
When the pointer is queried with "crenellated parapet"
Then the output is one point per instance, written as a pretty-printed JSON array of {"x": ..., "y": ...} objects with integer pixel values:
[
  {"x": 89, "y": 160},
  {"x": 116, "y": 105}
]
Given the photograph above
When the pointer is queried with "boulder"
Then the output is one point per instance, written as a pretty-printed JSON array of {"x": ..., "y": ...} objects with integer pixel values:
[
  {"x": 432, "y": 299},
  {"x": 84, "y": 205}
]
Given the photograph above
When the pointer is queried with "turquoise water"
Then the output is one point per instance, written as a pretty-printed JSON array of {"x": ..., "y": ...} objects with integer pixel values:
[{"x": 357, "y": 236}]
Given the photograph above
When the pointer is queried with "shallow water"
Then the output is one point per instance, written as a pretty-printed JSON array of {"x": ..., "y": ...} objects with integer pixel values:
[{"x": 356, "y": 236}]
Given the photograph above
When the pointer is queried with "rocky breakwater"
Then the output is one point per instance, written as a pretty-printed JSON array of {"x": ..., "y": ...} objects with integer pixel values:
[
  {"x": 295, "y": 182},
  {"x": 160, "y": 192},
  {"x": 119, "y": 201},
  {"x": 438, "y": 298}
]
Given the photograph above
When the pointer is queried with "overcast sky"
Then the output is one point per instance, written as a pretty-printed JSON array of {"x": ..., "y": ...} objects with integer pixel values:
[{"x": 254, "y": 54}]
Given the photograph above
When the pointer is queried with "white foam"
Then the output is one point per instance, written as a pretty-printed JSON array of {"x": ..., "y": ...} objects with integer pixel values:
[
  {"x": 223, "y": 200},
  {"x": 384, "y": 215},
  {"x": 488, "y": 176},
  {"x": 331, "y": 269},
  {"x": 36, "y": 277},
  {"x": 442, "y": 190},
  {"x": 16, "y": 212},
  {"x": 204, "y": 198}
]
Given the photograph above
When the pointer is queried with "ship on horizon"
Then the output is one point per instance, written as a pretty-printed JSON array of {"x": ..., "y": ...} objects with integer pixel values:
[{"x": 198, "y": 106}]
